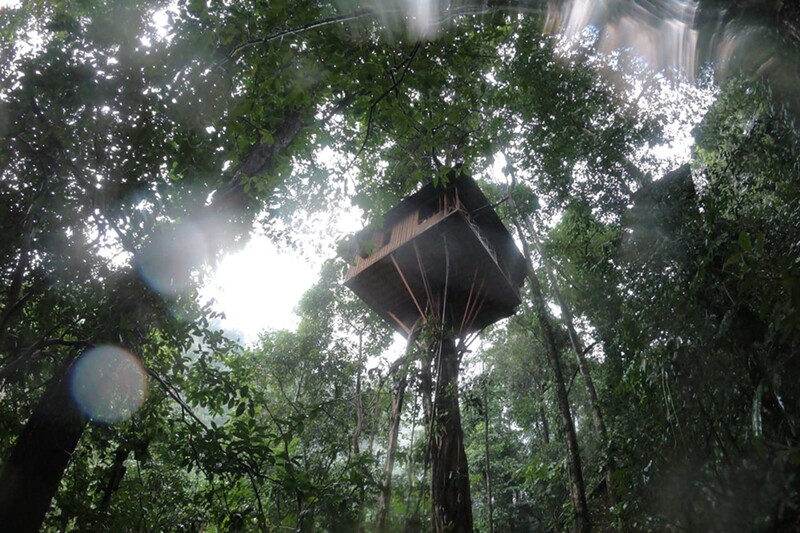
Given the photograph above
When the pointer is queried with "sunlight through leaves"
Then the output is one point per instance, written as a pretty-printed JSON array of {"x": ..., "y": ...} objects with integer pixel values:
[{"x": 174, "y": 254}]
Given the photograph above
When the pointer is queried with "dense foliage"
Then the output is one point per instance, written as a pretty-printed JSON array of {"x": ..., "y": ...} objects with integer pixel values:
[{"x": 140, "y": 141}]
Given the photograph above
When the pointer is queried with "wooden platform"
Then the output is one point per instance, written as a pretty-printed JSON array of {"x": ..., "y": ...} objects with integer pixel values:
[{"x": 453, "y": 254}]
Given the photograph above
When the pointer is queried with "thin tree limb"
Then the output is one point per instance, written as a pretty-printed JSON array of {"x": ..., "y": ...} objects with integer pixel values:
[
  {"x": 406, "y": 63},
  {"x": 310, "y": 26},
  {"x": 172, "y": 393}
]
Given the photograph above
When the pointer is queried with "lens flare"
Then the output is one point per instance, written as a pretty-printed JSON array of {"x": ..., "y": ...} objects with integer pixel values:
[
  {"x": 418, "y": 19},
  {"x": 108, "y": 384},
  {"x": 169, "y": 261}
]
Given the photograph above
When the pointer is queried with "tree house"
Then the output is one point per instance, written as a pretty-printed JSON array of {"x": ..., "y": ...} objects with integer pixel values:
[{"x": 443, "y": 252}]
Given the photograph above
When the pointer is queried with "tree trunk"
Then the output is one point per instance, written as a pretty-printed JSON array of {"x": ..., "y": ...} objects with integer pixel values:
[
  {"x": 359, "y": 401},
  {"x": 577, "y": 489},
  {"x": 115, "y": 475},
  {"x": 426, "y": 398},
  {"x": 486, "y": 454},
  {"x": 451, "y": 504},
  {"x": 580, "y": 354},
  {"x": 31, "y": 475},
  {"x": 411, "y": 466},
  {"x": 545, "y": 426},
  {"x": 385, "y": 497},
  {"x": 360, "y": 415}
]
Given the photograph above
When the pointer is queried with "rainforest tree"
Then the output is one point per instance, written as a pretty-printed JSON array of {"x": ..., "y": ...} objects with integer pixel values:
[{"x": 140, "y": 141}]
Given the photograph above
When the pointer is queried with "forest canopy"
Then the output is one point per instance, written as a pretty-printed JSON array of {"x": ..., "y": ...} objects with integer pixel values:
[{"x": 647, "y": 381}]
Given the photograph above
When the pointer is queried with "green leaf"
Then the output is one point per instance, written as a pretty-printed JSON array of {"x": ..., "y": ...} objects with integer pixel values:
[
  {"x": 266, "y": 137},
  {"x": 744, "y": 242},
  {"x": 735, "y": 258}
]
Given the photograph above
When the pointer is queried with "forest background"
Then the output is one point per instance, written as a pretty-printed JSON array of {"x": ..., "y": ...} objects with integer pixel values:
[{"x": 649, "y": 380}]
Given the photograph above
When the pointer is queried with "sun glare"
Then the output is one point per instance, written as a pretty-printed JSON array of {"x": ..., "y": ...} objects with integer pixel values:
[{"x": 259, "y": 287}]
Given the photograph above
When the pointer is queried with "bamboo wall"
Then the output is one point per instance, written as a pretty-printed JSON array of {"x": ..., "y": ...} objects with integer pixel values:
[{"x": 403, "y": 231}]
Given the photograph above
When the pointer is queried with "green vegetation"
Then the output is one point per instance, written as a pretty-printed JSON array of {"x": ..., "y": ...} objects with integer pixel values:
[{"x": 650, "y": 380}]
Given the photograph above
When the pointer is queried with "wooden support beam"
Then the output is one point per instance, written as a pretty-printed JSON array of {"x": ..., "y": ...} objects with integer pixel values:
[
  {"x": 470, "y": 311},
  {"x": 476, "y": 306},
  {"x": 469, "y": 339},
  {"x": 469, "y": 299},
  {"x": 400, "y": 323},
  {"x": 423, "y": 273},
  {"x": 408, "y": 288}
]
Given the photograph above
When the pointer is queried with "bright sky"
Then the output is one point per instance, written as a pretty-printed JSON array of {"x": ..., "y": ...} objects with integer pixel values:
[{"x": 259, "y": 287}]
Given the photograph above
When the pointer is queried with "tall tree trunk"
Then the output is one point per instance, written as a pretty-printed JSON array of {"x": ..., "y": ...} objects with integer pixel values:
[
  {"x": 359, "y": 401},
  {"x": 412, "y": 518},
  {"x": 32, "y": 473},
  {"x": 426, "y": 397},
  {"x": 360, "y": 415},
  {"x": 410, "y": 460},
  {"x": 486, "y": 454},
  {"x": 385, "y": 497},
  {"x": 577, "y": 489},
  {"x": 580, "y": 354},
  {"x": 451, "y": 503},
  {"x": 545, "y": 426}
]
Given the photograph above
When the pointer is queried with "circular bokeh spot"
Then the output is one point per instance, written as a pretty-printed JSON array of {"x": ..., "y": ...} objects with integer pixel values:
[{"x": 108, "y": 384}]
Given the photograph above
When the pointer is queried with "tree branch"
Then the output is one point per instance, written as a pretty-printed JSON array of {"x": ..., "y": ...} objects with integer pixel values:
[
  {"x": 478, "y": 8},
  {"x": 310, "y": 26},
  {"x": 172, "y": 393},
  {"x": 405, "y": 64}
]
